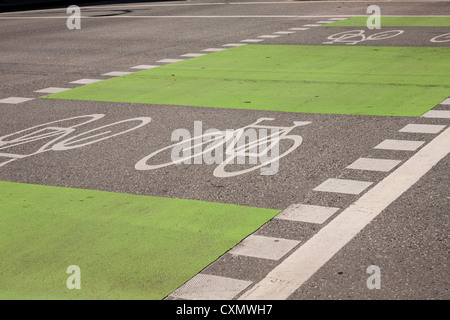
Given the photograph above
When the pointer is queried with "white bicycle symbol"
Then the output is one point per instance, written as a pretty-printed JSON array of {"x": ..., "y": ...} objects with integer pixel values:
[
  {"x": 253, "y": 149},
  {"x": 356, "y": 36},
  {"x": 441, "y": 38},
  {"x": 54, "y": 132}
]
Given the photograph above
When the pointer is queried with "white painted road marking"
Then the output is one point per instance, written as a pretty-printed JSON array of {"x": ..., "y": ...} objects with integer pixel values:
[
  {"x": 422, "y": 128},
  {"x": 144, "y": 66},
  {"x": 287, "y": 277},
  {"x": 116, "y": 73},
  {"x": 284, "y": 32},
  {"x": 170, "y": 60},
  {"x": 264, "y": 247},
  {"x": 307, "y": 213},
  {"x": 269, "y": 36},
  {"x": 383, "y": 165},
  {"x": 343, "y": 186},
  {"x": 209, "y": 287},
  {"x": 446, "y": 101},
  {"x": 252, "y": 40},
  {"x": 52, "y": 90},
  {"x": 443, "y": 114},
  {"x": 193, "y": 55},
  {"x": 214, "y": 49},
  {"x": 15, "y": 100},
  {"x": 233, "y": 44},
  {"x": 400, "y": 145},
  {"x": 86, "y": 81}
]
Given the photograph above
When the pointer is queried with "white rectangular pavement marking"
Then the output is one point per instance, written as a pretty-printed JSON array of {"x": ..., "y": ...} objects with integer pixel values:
[
  {"x": 446, "y": 101},
  {"x": 296, "y": 269},
  {"x": 269, "y": 36},
  {"x": 52, "y": 90},
  {"x": 307, "y": 213},
  {"x": 86, "y": 81},
  {"x": 383, "y": 165},
  {"x": 170, "y": 60},
  {"x": 343, "y": 186},
  {"x": 284, "y": 32},
  {"x": 264, "y": 247},
  {"x": 214, "y": 49},
  {"x": 298, "y": 29},
  {"x": 422, "y": 128},
  {"x": 444, "y": 114},
  {"x": 233, "y": 44},
  {"x": 209, "y": 287},
  {"x": 252, "y": 40},
  {"x": 193, "y": 55},
  {"x": 116, "y": 73},
  {"x": 15, "y": 100},
  {"x": 400, "y": 145},
  {"x": 144, "y": 66}
]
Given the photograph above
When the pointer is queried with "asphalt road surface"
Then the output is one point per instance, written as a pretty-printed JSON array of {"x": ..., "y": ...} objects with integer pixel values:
[{"x": 343, "y": 209}]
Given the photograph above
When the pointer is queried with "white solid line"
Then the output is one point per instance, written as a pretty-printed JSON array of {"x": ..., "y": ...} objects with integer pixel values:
[
  {"x": 442, "y": 114},
  {"x": 287, "y": 277},
  {"x": 206, "y": 17}
]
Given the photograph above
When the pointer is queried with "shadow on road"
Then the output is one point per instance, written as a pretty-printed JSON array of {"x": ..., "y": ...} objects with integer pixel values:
[{"x": 24, "y": 5}]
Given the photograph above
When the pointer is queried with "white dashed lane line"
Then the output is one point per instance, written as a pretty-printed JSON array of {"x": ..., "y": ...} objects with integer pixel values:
[
  {"x": 86, "y": 81},
  {"x": 264, "y": 247},
  {"x": 116, "y": 73},
  {"x": 382, "y": 165},
  {"x": 15, "y": 100},
  {"x": 52, "y": 90},
  {"x": 400, "y": 145},
  {"x": 307, "y": 213},
  {"x": 343, "y": 186}
]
